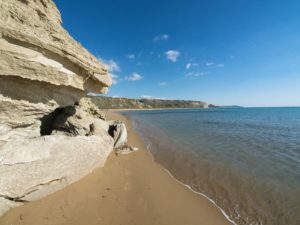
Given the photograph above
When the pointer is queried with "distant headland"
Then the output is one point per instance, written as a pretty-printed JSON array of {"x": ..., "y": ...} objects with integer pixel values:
[{"x": 104, "y": 102}]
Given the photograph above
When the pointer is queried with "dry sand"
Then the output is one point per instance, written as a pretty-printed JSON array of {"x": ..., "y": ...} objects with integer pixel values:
[{"x": 130, "y": 189}]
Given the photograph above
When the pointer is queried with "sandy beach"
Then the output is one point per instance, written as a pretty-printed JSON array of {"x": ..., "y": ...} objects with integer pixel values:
[{"x": 129, "y": 189}]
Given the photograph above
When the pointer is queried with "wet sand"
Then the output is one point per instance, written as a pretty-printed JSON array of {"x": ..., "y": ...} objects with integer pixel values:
[{"x": 129, "y": 189}]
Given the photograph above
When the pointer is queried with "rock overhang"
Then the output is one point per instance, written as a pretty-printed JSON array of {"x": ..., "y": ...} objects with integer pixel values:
[
  {"x": 42, "y": 71},
  {"x": 31, "y": 33}
]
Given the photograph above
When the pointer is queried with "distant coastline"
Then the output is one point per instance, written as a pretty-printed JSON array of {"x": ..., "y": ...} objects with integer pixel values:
[{"x": 103, "y": 102}]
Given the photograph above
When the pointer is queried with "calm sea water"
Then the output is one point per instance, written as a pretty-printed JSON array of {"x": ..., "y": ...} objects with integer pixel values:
[{"x": 245, "y": 159}]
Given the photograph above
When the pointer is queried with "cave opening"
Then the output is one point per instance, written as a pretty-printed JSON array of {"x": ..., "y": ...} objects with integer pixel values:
[{"x": 47, "y": 121}]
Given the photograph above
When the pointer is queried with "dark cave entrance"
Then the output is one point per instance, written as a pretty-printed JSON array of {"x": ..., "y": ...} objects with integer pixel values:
[{"x": 48, "y": 120}]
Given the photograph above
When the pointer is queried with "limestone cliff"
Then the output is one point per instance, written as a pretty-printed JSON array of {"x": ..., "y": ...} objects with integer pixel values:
[
  {"x": 46, "y": 141},
  {"x": 129, "y": 103},
  {"x": 39, "y": 56}
]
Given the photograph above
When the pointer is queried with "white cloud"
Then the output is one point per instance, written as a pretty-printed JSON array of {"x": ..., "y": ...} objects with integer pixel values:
[
  {"x": 130, "y": 56},
  {"x": 161, "y": 37},
  {"x": 113, "y": 66},
  {"x": 93, "y": 94},
  {"x": 172, "y": 55},
  {"x": 162, "y": 84},
  {"x": 147, "y": 97},
  {"x": 214, "y": 64},
  {"x": 115, "y": 79},
  {"x": 134, "y": 77},
  {"x": 153, "y": 97},
  {"x": 195, "y": 74},
  {"x": 209, "y": 63},
  {"x": 189, "y": 65}
]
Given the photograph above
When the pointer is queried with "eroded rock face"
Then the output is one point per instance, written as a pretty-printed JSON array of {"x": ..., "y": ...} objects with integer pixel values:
[
  {"x": 32, "y": 37},
  {"x": 38, "y": 56},
  {"x": 49, "y": 137},
  {"x": 73, "y": 121}
]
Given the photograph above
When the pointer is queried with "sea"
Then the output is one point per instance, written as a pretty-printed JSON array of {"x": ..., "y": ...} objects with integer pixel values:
[{"x": 245, "y": 160}]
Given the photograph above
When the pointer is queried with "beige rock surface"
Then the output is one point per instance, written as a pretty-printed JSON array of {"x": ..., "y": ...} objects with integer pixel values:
[
  {"x": 33, "y": 168},
  {"x": 38, "y": 164},
  {"x": 44, "y": 73},
  {"x": 31, "y": 32}
]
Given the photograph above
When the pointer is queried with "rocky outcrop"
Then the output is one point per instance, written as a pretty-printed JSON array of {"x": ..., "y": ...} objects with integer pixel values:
[
  {"x": 41, "y": 66},
  {"x": 119, "y": 132},
  {"x": 49, "y": 137},
  {"x": 33, "y": 39},
  {"x": 41, "y": 165}
]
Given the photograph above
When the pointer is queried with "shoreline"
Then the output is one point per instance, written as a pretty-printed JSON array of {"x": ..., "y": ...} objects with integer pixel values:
[
  {"x": 128, "y": 121},
  {"x": 127, "y": 190},
  {"x": 192, "y": 190},
  {"x": 180, "y": 182},
  {"x": 201, "y": 194}
]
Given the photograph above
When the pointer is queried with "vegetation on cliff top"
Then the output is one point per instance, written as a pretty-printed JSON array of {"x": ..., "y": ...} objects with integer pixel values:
[{"x": 129, "y": 103}]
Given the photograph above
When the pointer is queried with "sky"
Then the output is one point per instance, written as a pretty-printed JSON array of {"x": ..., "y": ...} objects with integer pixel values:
[{"x": 224, "y": 52}]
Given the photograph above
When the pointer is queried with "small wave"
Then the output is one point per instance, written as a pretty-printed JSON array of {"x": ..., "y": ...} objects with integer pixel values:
[{"x": 191, "y": 189}]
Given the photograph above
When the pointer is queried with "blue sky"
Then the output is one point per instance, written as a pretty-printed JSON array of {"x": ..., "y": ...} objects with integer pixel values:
[{"x": 225, "y": 52}]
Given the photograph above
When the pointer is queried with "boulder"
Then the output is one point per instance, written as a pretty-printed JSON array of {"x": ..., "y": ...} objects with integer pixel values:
[
  {"x": 118, "y": 131},
  {"x": 33, "y": 168},
  {"x": 76, "y": 120},
  {"x": 98, "y": 127},
  {"x": 72, "y": 121}
]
